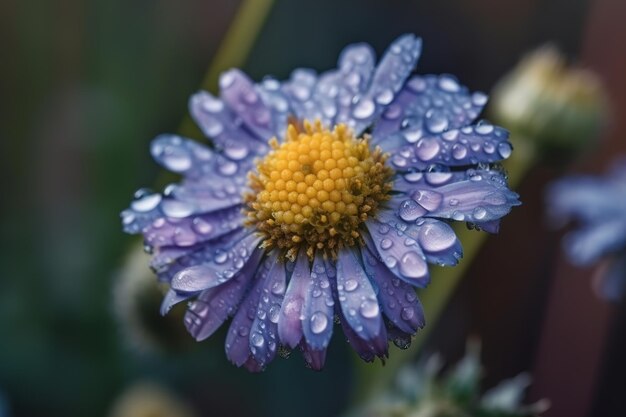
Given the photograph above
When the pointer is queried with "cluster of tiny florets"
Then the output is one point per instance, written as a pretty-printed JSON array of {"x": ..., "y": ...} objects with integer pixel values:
[{"x": 316, "y": 189}]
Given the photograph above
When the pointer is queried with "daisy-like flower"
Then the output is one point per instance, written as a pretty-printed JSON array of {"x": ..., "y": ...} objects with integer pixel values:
[
  {"x": 322, "y": 199},
  {"x": 598, "y": 205}
]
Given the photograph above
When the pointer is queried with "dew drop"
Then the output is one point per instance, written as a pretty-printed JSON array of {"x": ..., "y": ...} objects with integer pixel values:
[
  {"x": 436, "y": 121},
  {"x": 369, "y": 309},
  {"x": 257, "y": 339},
  {"x": 504, "y": 149},
  {"x": 318, "y": 322},
  {"x": 410, "y": 210},
  {"x": 428, "y": 199},
  {"x": 459, "y": 152},
  {"x": 448, "y": 84},
  {"x": 176, "y": 209},
  {"x": 412, "y": 265},
  {"x": 351, "y": 285},
  {"x": 479, "y": 213},
  {"x": 364, "y": 109},
  {"x": 427, "y": 149},
  {"x": 146, "y": 202},
  {"x": 386, "y": 243},
  {"x": 202, "y": 226}
]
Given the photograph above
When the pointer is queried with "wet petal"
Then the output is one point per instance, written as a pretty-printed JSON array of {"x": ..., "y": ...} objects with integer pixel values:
[
  {"x": 239, "y": 94},
  {"x": 397, "y": 298},
  {"x": 389, "y": 77},
  {"x": 470, "y": 145},
  {"x": 277, "y": 102},
  {"x": 172, "y": 298},
  {"x": 336, "y": 89},
  {"x": 264, "y": 331},
  {"x": 427, "y": 104},
  {"x": 218, "y": 123},
  {"x": 357, "y": 297},
  {"x": 238, "y": 337},
  {"x": 214, "y": 306},
  {"x": 192, "y": 230},
  {"x": 290, "y": 321},
  {"x": 218, "y": 269},
  {"x": 318, "y": 307},
  {"x": 400, "y": 253},
  {"x": 314, "y": 358},
  {"x": 299, "y": 90}
]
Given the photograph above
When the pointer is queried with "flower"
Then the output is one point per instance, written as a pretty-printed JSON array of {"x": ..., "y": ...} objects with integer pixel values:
[
  {"x": 545, "y": 100},
  {"x": 323, "y": 196},
  {"x": 425, "y": 390},
  {"x": 599, "y": 206}
]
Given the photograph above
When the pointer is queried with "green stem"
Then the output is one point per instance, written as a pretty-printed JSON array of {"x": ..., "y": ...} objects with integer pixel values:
[{"x": 371, "y": 378}]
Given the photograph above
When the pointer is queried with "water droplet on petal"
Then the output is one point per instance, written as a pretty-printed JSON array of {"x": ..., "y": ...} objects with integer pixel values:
[
  {"x": 479, "y": 213},
  {"x": 412, "y": 265},
  {"x": 369, "y": 309},
  {"x": 410, "y": 210},
  {"x": 319, "y": 322},
  {"x": 176, "y": 209},
  {"x": 146, "y": 202},
  {"x": 436, "y": 121},
  {"x": 386, "y": 243},
  {"x": 428, "y": 199},
  {"x": 504, "y": 149},
  {"x": 427, "y": 149},
  {"x": 459, "y": 152},
  {"x": 351, "y": 285},
  {"x": 449, "y": 84},
  {"x": 364, "y": 109},
  {"x": 257, "y": 339},
  {"x": 435, "y": 238}
]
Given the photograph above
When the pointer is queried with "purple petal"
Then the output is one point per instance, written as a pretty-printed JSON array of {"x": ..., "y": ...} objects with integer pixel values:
[
  {"x": 277, "y": 102},
  {"x": 240, "y": 95},
  {"x": 299, "y": 90},
  {"x": 213, "y": 306},
  {"x": 263, "y": 334},
  {"x": 400, "y": 253},
  {"x": 427, "y": 104},
  {"x": 397, "y": 298},
  {"x": 470, "y": 145},
  {"x": 290, "y": 329},
  {"x": 318, "y": 307},
  {"x": 172, "y": 298},
  {"x": 336, "y": 89},
  {"x": 357, "y": 297},
  {"x": 477, "y": 196},
  {"x": 217, "y": 270},
  {"x": 192, "y": 230},
  {"x": 218, "y": 123},
  {"x": 167, "y": 261},
  {"x": 436, "y": 239},
  {"x": 392, "y": 71},
  {"x": 313, "y": 357},
  {"x": 238, "y": 337}
]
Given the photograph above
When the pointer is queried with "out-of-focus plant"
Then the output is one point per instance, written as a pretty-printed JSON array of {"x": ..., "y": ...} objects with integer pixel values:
[
  {"x": 136, "y": 300},
  {"x": 544, "y": 100},
  {"x": 425, "y": 390},
  {"x": 147, "y": 399},
  {"x": 598, "y": 205},
  {"x": 4, "y": 408}
]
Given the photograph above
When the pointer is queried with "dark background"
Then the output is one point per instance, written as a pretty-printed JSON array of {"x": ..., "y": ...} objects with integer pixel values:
[{"x": 87, "y": 84}]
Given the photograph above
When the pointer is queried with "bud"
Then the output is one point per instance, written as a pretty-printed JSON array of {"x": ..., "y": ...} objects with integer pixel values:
[{"x": 545, "y": 100}]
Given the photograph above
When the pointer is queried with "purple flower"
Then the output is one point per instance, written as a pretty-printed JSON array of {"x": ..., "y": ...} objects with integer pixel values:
[
  {"x": 599, "y": 207},
  {"x": 323, "y": 198}
]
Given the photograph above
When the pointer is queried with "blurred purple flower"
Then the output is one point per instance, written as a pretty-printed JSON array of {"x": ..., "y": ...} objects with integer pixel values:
[
  {"x": 598, "y": 205},
  {"x": 337, "y": 217}
]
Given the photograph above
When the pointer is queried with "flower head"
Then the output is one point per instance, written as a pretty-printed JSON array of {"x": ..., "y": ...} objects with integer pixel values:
[
  {"x": 324, "y": 196},
  {"x": 599, "y": 206},
  {"x": 548, "y": 101}
]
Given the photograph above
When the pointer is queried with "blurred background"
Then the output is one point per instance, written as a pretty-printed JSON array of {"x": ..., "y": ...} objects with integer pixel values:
[{"x": 88, "y": 84}]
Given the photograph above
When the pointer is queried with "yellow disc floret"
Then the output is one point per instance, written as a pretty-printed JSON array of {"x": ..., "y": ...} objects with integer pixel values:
[{"x": 316, "y": 189}]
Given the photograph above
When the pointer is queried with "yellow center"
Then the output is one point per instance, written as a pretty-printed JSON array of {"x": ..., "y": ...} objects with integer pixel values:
[{"x": 316, "y": 189}]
